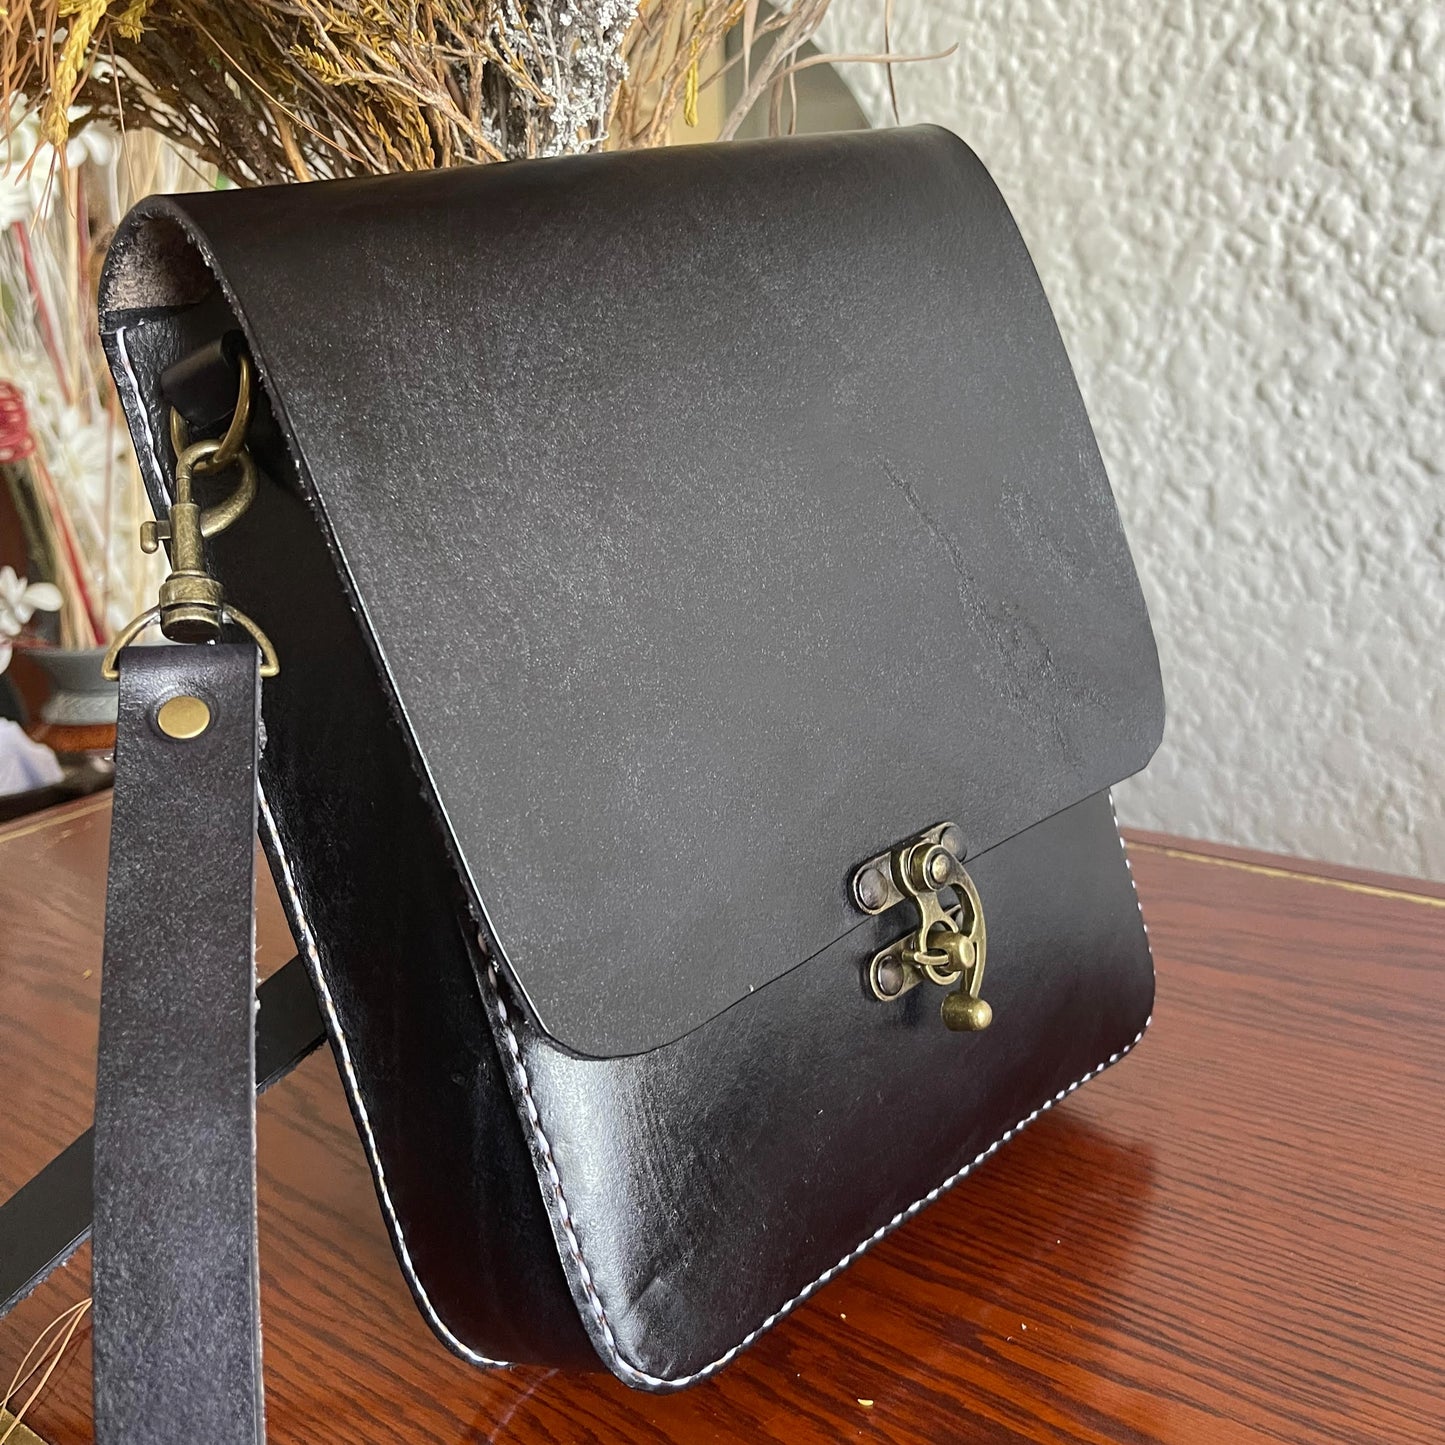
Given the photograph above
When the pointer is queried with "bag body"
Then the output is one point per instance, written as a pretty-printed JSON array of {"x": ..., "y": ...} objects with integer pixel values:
[{"x": 649, "y": 540}]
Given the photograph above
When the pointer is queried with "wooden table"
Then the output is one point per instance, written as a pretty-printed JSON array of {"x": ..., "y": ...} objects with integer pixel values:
[{"x": 1236, "y": 1236}]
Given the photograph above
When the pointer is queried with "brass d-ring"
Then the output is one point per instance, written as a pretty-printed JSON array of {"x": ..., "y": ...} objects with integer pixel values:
[
  {"x": 110, "y": 665},
  {"x": 229, "y": 447},
  {"x": 270, "y": 663}
]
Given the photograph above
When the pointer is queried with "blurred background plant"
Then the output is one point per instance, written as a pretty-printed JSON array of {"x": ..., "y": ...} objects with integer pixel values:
[{"x": 64, "y": 453}]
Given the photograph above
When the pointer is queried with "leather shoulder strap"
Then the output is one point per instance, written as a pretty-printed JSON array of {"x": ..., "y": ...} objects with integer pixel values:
[{"x": 176, "y": 1284}]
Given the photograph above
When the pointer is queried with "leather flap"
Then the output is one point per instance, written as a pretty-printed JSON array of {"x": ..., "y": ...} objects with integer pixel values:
[{"x": 720, "y": 516}]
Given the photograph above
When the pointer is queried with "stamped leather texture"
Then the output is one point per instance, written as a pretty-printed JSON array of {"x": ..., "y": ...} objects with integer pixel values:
[{"x": 718, "y": 516}]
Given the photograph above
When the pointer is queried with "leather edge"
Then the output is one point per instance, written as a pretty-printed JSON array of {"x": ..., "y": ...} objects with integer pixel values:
[{"x": 1158, "y": 715}]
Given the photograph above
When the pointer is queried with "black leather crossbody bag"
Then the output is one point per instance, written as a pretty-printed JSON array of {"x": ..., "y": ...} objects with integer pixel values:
[{"x": 707, "y": 642}]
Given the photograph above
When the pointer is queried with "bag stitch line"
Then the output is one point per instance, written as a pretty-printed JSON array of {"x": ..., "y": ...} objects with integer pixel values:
[{"x": 544, "y": 1147}]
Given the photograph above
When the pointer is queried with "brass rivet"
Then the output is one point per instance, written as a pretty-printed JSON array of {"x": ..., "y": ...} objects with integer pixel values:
[
  {"x": 183, "y": 718},
  {"x": 872, "y": 889},
  {"x": 952, "y": 839},
  {"x": 890, "y": 978}
]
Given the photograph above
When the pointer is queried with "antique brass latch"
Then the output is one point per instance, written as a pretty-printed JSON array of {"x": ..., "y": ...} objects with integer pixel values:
[
  {"x": 192, "y": 605},
  {"x": 948, "y": 943}
]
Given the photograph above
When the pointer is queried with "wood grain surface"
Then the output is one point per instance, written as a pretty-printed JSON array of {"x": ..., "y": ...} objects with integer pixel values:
[{"x": 1235, "y": 1236}]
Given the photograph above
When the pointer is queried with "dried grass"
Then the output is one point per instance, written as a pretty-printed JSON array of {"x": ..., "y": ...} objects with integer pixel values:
[{"x": 275, "y": 90}]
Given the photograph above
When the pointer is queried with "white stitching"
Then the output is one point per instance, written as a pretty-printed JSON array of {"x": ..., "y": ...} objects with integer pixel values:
[
  {"x": 139, "y": 404},
  {"x": 308, "y": 940},
  {"x": 544, "y": 1147},
  {"x": 1129, "y": 867},
  {"x": 677, "y": 1382}
]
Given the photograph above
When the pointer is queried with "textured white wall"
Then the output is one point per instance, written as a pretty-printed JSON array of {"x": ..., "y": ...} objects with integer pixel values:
[{"x": 1238, "y": 210}]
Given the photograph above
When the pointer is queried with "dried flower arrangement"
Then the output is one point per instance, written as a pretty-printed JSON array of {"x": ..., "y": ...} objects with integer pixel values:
[
  {"x": 64, "y": 454},
  {"x": 276, "y": 90}
]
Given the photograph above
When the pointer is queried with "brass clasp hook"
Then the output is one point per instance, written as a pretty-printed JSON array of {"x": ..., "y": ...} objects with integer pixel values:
[
  {"x": 192, "y": 605},
  {"x": 948, "y": 944}
]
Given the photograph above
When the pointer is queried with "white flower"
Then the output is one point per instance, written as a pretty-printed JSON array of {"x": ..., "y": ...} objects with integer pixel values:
[
  {"x": 95, "y": 142},
  {"x": 23, "y": 197},
  {"x": 80, "y": 454},
  {"x": 19, "y": 602},
  {"x": 29, "y": 196}
]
